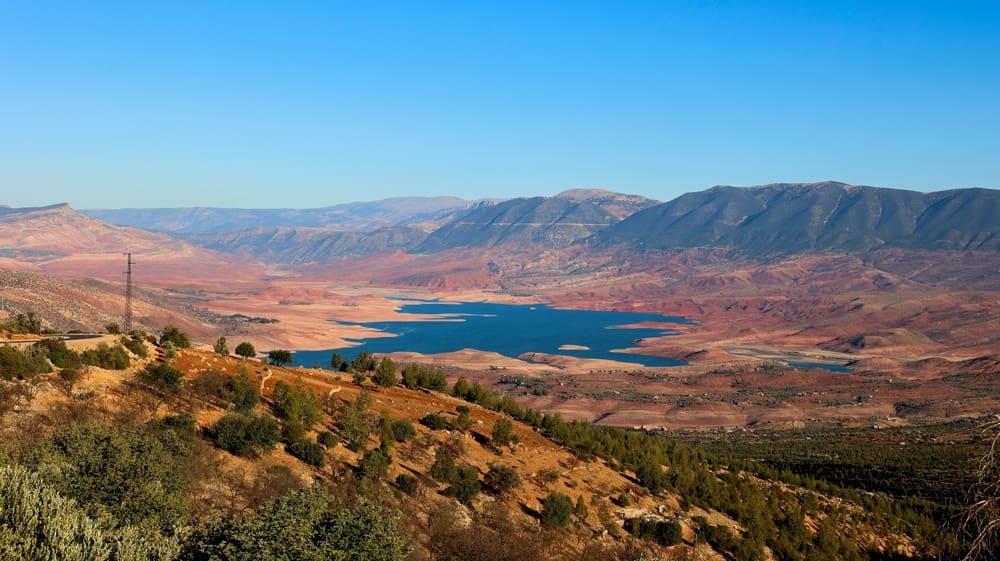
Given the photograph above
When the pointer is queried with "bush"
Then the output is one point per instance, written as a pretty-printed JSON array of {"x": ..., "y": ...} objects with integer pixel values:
[
  {"x": 246, "y": 350},
  {"x": 175, "y": 336},
  {"x": 385, "y": 373},
  {"x": 162, "y": 376},
  {"x": 109, "y": 358},
  {"x": 663, "y": 532},
  {"x": 40, "y": 524},
  {"x": 307, "y": 451},
  {"x": 243, "y": 392},
  {"x": 221, "y": 347},
  {"x": 136, "y": 345},
  {"x": 503, "y": 433},
  {"x": 465, "y": 485},
  {"x": 327, "y": 439},
  {"x": 463, "y": 422},
  {"x": 502, "y": 479},
  {"x": 16, "y": 364},
  {"x": 245, "y": 435},
  {"x": 556, "y": 510},
  {"x": 279, "y": 357},
  {"x": 304, "y": 525},
  {"x": 402, "y": 430},
  {"x": 130, "y": 473},
  {"x": 407, "y": 483},
  {"x": 353, "y": 428},
  {"x": 375, "y": 464},
  {"x": 434, "y": 421},
  {"x": 296, "y": 404},
  {"x": 417, "y": 376},
  {"x": 58, "y": 353},
  {"x": 444, "y": 469}
]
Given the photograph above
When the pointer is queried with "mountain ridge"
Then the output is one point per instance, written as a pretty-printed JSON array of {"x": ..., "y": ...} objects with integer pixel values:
[{"x": 802, "y": 218}]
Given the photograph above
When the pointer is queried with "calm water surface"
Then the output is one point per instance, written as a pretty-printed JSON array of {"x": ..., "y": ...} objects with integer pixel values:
[{"x": 507, "y": 329}]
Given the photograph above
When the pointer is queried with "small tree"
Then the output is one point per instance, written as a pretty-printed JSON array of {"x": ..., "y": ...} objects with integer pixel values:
[
  {"x": 580, "y": 509},
  {"x": 245, "y": 435},
  {"x": 385, "y": 373},
  {"x": 465, "y": 485},
  {"x": 220, "y": 346},
  {"x": 375, "y": 464},
  {"x": 556, "y": 510},
  {"x": 503, "y": 433},
  {"x": 335, "y": 361},
  {"x": 502, "y": 479},
  {"x": 463, "y": 422},
  {"x": 174, "y": 335},
  {"x": 434, "y": 421},
  {"x": 162, "y": 376},
  {"x": 444, "y": 469},
  {"x": 243, "y": 392},
  {"x": 113, "y": 328},
  {"x": 245, "y": 350},
  {"x": 279, "y": 357},
  {"x": 402, "y": 430},
  {"x": 297, "y": 406}
]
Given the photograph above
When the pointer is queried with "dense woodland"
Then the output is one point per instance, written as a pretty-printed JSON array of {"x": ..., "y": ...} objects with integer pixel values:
[{"x": 91, "y": 484}]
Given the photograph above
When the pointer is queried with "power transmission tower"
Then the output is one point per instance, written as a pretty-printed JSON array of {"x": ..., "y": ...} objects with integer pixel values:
[{"x": 127, "y": 327}]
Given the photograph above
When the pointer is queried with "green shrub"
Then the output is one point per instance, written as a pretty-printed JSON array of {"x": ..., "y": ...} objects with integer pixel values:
[
  {"x": 444, "y": 469},
  {"x": 327, "y": 439},
  {"x": 302, "y": 525},
  {"x": 245, "y": 435},
  {"x": 503, "y": 433},
  {"x": 162, "y": 376},
  {"x": 556, "y": 510},
  {"x": 502, "y": 479},
  {"x": 663, "y": 532},
  {"x": 463, "y": 422},
  {"x": 19, "y": 365},
  {"x": 37, "y": 523},
  {"x": 434, "y": 421},
  {"x": 109, "y": 358},
  {"x": 174, "y": 336},
  {"x": 307, "y": 451},
  {"x": 243, "y": 392},
  {"x": 296, "y": 405},
  {"x": 407, "y": 483},
  {"x": 402, "y": 430},
  {"x": 465, "y": 485},
  {"x": 375, "y": 464},
  {"x": 136, "y": 345},
  {"x": 134, "y": 474},
  {"x": 385, "y": 373}
]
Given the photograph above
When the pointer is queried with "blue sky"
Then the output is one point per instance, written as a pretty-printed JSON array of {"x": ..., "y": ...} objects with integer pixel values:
[{"x": 308, "y": 104}]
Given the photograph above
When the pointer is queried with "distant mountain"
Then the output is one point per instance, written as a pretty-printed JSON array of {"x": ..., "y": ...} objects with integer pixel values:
[
  {"x": 364, "y": 216},
  {"x": 299, "y": 246},
  {"x": 59, "y": 230},
  {"x": 547, "y": 222},
  {"x": 800, "y": 218},
  {"x": 58, "y": 239}
]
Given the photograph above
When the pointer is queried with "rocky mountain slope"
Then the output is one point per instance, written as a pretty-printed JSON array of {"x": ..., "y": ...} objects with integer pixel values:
[
  {"x": 542, "y": 222},
  {"x": 802, "y": 218}
]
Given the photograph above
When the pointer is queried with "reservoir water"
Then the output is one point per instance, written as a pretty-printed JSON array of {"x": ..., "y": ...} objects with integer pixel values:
[{"x": 510, "y": 330}]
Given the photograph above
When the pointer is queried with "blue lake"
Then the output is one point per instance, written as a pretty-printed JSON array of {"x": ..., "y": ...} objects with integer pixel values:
[{"x": 509, "y": 330}]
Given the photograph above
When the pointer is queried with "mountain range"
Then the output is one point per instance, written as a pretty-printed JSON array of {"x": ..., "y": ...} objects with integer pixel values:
[
  {"x": 755, "y": 222},
  {"x": 804, "y": 218}
]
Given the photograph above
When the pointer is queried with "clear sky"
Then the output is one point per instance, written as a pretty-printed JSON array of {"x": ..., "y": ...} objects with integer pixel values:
[{"x": 309, "y": 104}]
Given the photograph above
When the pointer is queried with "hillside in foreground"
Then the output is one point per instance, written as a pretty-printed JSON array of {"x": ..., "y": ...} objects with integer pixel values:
[{"x": 458, "y": 463}]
